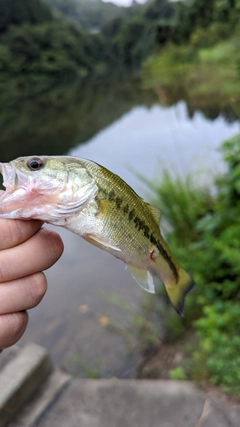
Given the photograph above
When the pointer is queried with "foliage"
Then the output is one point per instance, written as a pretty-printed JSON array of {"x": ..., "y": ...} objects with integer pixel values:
[
  {"x": 40, "y": 49},
  {"x": 15, "y": 12},
  {"x": 198, "y": 74},
  {"x": 205, "y": 239},
  {"x": 218, "y": 331},
  {"x": 201, "y": 14},
  {"x": 134, "y": 42},
  {"x": 50, "y": 49},
  {"x": 37, "y": 57},
  {"x": 35, "y": 34},
  {"x": 177, "y": 374},
  {"x": 132, "y": 38},
  {"x": 197, "y": 56},
  {"x": 91, "y": 14},
  {"x": 173, "y": 195}
]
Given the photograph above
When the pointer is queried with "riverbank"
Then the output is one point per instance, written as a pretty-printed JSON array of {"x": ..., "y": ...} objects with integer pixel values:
[
  {"x": 204, "y": 228},
  {"x": 197, "y": 72}
]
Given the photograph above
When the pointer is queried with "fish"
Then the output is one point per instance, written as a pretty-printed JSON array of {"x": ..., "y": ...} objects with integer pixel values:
[{"x": 93, "y": 202}]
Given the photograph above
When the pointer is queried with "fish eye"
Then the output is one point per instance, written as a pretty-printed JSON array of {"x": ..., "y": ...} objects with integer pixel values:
[{"x": 35, "y": 163}]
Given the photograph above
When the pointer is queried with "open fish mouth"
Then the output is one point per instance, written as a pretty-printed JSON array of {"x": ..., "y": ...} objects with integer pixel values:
[
  {"x": 14, "y": 196},
  {"x": 32, "y": 196},
  {"x": 13, "y": 178},
  {"x": 9, "y": 175}
]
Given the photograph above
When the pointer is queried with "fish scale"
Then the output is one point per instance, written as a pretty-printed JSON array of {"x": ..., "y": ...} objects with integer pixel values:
[
  {"x": 93, "y": 202},
  {"x": 131, "y": 205}
]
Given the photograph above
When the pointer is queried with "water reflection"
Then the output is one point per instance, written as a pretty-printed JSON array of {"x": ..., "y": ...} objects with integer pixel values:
[
  {"x": 54, "y": 122},
  {"x": 124, "y": 129},
  {"x": 147, "y": 140}
]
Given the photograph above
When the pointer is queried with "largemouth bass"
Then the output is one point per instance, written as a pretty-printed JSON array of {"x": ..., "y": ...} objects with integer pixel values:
[{"x": 89, "y": 200}]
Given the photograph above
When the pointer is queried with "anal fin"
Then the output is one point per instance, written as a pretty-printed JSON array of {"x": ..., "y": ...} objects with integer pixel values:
[{"x": 143, "y": 278}]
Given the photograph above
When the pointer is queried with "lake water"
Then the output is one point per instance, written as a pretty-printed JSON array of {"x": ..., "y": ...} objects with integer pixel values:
[
  {"x": 86, "y": 317},
  {"x": 148, "y": 140}
]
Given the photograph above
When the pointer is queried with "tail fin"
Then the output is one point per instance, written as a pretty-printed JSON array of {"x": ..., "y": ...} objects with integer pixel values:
[{"x": 178, "y": 290}]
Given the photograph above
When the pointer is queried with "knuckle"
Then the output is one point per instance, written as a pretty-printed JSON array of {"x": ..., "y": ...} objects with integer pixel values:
[
  {"x": 53, "y": 241},
  {"x": 5, "y": 266},
  {"x": 37, "y": 288},
  {"x": 12, "y": 327},
  {"x": 16, "y": 232},
  {"x": 19, "y": 324}
]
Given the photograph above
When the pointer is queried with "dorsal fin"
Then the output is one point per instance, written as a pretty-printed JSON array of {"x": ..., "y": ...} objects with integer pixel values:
[{"x": 155, "y": 212}]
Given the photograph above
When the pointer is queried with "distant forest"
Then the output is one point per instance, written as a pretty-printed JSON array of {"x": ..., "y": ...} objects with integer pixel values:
[
  {"x": 91, "y": 15},
  {"x": 46, "y": 43}
]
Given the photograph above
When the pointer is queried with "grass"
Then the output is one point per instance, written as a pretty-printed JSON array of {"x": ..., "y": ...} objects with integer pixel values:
[{"x": 204, "y": 237}]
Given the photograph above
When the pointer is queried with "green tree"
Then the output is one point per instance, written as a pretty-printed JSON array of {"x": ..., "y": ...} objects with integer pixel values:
[
  {"x": 90, "y": 14},
  {"x": 15, "y": 12},
  {"x": 112, "y": 28},
  {"x": 135, "y": 42},
  {"x": 45, "y": 54},
  {"x": 159, "y": 9}
]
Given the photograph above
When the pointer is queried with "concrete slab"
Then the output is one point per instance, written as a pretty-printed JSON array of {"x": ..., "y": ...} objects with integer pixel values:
[
  {"x": 43, "y": 399},
  {"x": 48, "y": 398},
  {"x": 7, "y": 355},
  {"x": 130, "y": 403},
  {"x": 20, "y": 378},
  {"x": 225, "y": 409}
]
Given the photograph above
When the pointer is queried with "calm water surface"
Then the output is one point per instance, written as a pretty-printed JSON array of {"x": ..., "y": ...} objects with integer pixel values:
[{"x": 85, "y": 320}]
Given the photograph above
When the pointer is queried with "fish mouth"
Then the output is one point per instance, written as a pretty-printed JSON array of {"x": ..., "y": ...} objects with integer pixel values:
[
  {"x": 14, "y": 196},
  {"x": 9, "y": 175}
]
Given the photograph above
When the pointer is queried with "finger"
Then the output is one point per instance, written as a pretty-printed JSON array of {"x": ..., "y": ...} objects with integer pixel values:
[
  {"x": 12, "y": 327},
  {"x": 22, "y": 294},
  {"x": 38, "y": 253},
  {"x": 14, "y": 232}
]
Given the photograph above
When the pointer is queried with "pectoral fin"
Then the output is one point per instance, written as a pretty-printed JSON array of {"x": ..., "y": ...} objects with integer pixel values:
[
  {"x": 102, "y": 244},
  {"x": 143, "y": 277}
]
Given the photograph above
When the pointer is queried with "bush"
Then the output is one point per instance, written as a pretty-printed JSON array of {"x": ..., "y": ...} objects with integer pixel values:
[
  {"x": 38, "y": 57},
  {"x": 204, "y": 238}
]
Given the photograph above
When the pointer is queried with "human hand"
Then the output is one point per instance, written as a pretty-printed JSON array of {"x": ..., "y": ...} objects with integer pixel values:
[{"x": 25, "y": 250}]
